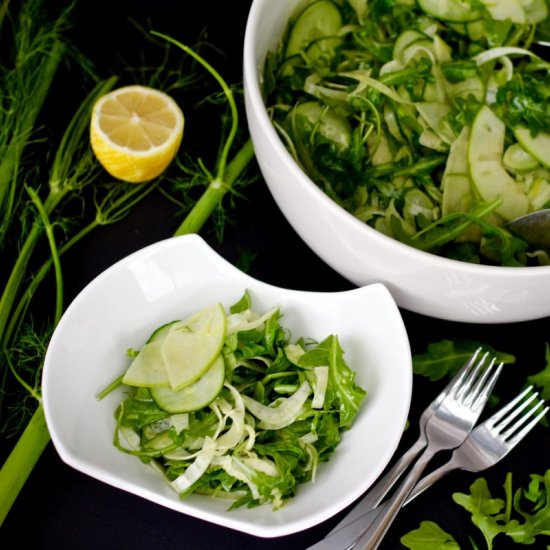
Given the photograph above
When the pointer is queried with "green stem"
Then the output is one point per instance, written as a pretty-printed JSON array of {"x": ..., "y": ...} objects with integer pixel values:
[
  {"x": 54, "y": 253},
  {"x": 228, "y": 94},
  {"x": 215, "y": 192},
  {"x": 114, "y": 212},
  {"x": 21, "y": 461},
  {"x": 18, "y": 272},
  {"x": 37, "y": 278}
]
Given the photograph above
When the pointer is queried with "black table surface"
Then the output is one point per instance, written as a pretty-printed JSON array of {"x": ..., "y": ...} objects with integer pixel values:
[{"x": 62, "y": 508}]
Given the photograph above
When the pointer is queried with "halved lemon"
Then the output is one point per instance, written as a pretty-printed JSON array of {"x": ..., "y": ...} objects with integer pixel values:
[{"x": 135, "y": 132}]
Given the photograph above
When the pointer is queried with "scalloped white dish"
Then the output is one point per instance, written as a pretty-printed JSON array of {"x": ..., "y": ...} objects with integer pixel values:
[{"x": 173, "y": 279}]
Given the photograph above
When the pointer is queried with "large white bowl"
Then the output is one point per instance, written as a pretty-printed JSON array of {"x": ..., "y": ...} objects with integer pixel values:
[
  {"x": 419, "y": 281},
  {"x": 173, "y": 279}
]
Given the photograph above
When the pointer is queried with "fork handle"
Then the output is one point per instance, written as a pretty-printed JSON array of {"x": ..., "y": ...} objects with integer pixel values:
[
  {"x": 374, "y": 533},
  {"x": 365, "y": 511},
  {"x": 429, "y": 479},
  {"x": 377, "y": 492},
  {"x": 353, "y": 525}
]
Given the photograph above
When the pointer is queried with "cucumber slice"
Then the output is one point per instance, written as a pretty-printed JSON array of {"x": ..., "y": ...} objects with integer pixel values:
[
  {"x": 191, "y": 346},
  {"x": 502, "y": 10},
  {"x": 472, "y": 85},
  {"x": 535, "y": 11},
  {"x": 458, "y": 11},
  {"x": 434, "y": 115},
  {"x": 313, "y": 117},
  {"x": 493, "y": 182},
  {"x": 405, "y": 39},
  {"x": 456, "y": 184},
  {"x": 518, "y": 160},
  {"x": 486, "y": 137},
  {"x": 539, "y": 189},
  {"x": 318, "y": 20},
  {"x": 538, "y": 146},
  {"x": 490, "y": 179},
  {"x": 147, "y": 369},
  {"x": 323, "y": 47},
  {"x": 195, "y": 396}
]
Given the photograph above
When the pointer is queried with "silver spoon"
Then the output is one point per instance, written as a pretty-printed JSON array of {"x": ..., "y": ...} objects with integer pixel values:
[{"x": 534, "y": 228}]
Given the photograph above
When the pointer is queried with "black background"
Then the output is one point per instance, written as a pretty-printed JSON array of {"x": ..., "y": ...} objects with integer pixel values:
[{"x": 61, "y": 508}]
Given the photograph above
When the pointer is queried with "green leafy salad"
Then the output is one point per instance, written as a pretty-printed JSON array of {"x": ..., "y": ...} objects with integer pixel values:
[
  {"x": 225, "y": 404},
  {"x": 427, "y": 120}
]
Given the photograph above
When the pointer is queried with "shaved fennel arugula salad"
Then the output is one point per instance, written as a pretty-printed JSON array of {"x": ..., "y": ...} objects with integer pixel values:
[
  {"x": 225, "y": 404},
  {"x": 427, "y": 120}
]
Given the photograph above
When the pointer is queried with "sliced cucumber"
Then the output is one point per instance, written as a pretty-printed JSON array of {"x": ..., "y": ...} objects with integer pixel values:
[
  {"x": 323, "y": 47},
  {"x": 502, "y": 10},
  {"x": 491, "y": 180},
  {"x": 405, "y": 39},
  {"x": 318, "y": 20},
  {"x": 458, "y": 11},
  {"x": 538, "y": 146},
  {"x": 194, "y": 396},
  {"x": 518, "y": 160},
  {"x": 311, "y": 116},
  {"x": 486, "y": 137},
  {"x": 456, "y": 184},
  {"x": 287, "y": 67},
  {"x": 148, "y": 369},
  {"x": 191, "y": 346},
  {"x": 434, "y": 115},
  {"x": 539, "y": 188},
  {"x": 379, "y": 149},
  {"x": 535, "y": 11},
  {"x": 472, "y": 85}
]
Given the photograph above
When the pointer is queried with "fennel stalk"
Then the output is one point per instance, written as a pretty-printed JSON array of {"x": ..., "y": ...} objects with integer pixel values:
[{"x": 70, "y": 172}]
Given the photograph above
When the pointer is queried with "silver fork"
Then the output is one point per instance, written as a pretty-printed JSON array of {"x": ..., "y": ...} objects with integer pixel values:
[
  {"x": 469, "y": 381},
  {"x": 487, "y": 444},
  {"x": 490, "y": 441},
  {"x": 377, "y": 492},
  {"x": 449, "y": 426}
]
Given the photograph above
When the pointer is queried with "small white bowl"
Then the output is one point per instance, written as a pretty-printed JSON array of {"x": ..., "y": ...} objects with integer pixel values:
[
  {"x": 419, "y": 281},
  {"x": 177, "y": 277}
]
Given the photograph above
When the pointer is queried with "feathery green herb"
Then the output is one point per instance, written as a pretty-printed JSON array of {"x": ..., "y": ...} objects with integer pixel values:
[{"x": 48, "y": 207}]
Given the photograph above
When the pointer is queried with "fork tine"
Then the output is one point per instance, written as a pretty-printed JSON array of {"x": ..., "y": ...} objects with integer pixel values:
[
  {"x": 475, "y": 397},
  {"x": 477, "y": 379},
  {"x": 463, "y": 379},
  {"x": 503, "y": 412},
  {"x": 523, "y": 403},
  {"x": 512, "y": 436},
  {"x": 486, "y": 385}
]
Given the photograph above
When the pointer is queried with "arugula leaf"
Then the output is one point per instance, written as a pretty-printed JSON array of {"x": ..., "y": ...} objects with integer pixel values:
[
  {"x": 492, "y": 515},
  {"x": 429, "y": 536},
  {"x": 542, "y": 378},
  {"x": 446, "y": 357},
  {"x": 487, "y": 512},
  {"x": 343, "y": 393},
  {"x": 537, "y": 522}
]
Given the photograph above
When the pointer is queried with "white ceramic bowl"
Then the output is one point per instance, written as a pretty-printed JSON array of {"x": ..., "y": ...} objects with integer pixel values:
[
  {"x": 177, "y": 277},
  {"x": 419, "y": 281}
]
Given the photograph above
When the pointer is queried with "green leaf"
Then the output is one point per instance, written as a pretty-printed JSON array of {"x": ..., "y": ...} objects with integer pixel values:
[
  {"x": 542, "y": 378},
  {"x": 429, "y": 536},
  {"x": 342, "y": 394},
  {"x": 487, "y": 512},
  {"x": 537, "y": 521},
  {"x": 446, "y": 357}
]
